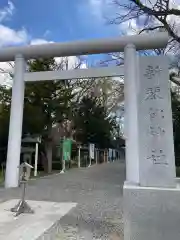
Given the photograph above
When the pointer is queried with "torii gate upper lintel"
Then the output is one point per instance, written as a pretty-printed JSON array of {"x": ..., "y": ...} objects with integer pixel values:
[{"x": 141, "y": 42}]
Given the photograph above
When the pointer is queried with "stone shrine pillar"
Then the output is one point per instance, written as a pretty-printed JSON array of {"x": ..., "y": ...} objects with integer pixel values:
[
  {"x": 151, "y": 207},
  {"x": 156, "y": 147}
]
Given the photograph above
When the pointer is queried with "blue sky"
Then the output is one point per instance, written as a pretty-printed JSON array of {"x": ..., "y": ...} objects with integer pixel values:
[
  {"x": 40, "y": 21},
  {"x": 56, "y": 20},
  {"x": 25, "y": 22}
]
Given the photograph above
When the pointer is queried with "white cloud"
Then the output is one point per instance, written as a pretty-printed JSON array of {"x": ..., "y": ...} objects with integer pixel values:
[
  {"x": 7, "y": 12},
  {"x": 5, "y": 69},
  {"x": 100, "y": 8},
  {"x": 71, "y": 62},
  {"x": 39, "y": 41},
  {"x": 173, "y": 20},
  {"x": 83, "y": 65},
  {"x": 9, "y": 36},
  {"x": 174, "y": 4},
  {"x": 66, "y": 63},
  {"x": 129, "y": 27}
]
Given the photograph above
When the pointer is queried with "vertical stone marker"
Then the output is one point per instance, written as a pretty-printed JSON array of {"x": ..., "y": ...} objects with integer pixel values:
[{"x": 157, "y": 164}]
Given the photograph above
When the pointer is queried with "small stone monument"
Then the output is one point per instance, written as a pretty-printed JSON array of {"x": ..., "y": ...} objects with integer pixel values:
[{"x": 22, "y": 206}]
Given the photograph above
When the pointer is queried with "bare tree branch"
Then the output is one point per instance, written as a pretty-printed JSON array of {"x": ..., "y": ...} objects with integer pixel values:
[
  {"x": 150, "y": 29},
  {"x": 159, "y": 11}
]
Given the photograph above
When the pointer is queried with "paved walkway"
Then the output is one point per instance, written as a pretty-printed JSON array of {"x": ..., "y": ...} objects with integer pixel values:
[{"x": 98, "y": 192}]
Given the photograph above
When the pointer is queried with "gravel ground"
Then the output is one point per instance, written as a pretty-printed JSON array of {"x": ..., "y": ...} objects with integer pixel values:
[{"x": 98, "y": 192}]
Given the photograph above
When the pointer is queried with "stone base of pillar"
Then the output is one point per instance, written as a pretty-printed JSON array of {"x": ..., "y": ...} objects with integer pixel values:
[{"x": 151, "y": 213}]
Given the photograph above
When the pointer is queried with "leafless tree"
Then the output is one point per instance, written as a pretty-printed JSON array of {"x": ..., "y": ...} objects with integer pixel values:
[
  {"x": 153, "y": 15},
  {"x": 150, "y": 15},
  {"x": 139, "y": 16}
]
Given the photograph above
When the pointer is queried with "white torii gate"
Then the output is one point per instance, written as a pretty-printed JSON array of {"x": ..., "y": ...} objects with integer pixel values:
[{"x": 128, "y": 44}]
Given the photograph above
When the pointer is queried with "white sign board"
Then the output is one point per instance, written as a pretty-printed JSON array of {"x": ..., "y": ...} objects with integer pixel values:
[
  {"x": 91, "y": 150},
  {"x": 156, "y": 149}
]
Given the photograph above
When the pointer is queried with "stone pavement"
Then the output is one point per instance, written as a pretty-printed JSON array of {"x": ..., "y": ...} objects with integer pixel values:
[{"x": 98, "y": 192}]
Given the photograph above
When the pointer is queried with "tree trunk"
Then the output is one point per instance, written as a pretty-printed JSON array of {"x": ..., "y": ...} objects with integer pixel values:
[
  {"x": 44, "y": 162},
  {"x": 48, "y": 147}
]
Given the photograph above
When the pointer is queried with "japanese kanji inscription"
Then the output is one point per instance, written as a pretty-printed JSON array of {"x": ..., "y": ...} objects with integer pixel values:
[
  {"x": 152, "y": 71},
  {"x": 155, "y": 123}
]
